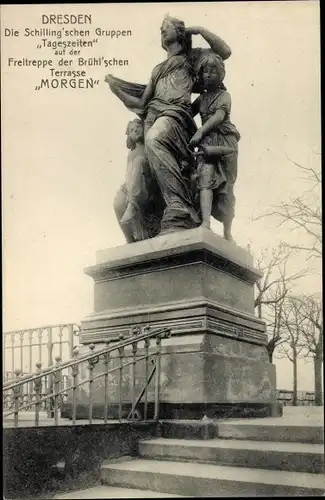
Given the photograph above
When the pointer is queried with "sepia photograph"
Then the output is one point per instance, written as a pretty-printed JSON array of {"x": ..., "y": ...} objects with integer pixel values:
[{"x": 162, "y": 250}]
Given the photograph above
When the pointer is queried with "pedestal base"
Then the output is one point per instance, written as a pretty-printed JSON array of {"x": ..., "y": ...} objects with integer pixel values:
[
  {"x": 202, "y": 288},
  {"x": 201, "y": 375}
]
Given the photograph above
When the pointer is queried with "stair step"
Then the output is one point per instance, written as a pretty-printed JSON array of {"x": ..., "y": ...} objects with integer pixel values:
[
  {"x": 108, "y": 492},
  {"x": 258, "y": 430},
  {"x": 295, "y": 457},
  {"x": 195, "y": 479}
]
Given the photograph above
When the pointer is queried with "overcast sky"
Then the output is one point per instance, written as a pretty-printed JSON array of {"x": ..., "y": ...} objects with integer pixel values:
[{"x": 64, "y": 153}]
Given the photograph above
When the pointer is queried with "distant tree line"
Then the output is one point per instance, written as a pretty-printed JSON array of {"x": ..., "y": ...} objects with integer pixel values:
[{"x": 294, "y": 321}]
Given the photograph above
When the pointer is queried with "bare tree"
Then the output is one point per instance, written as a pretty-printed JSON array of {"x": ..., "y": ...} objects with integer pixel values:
[
  {"x": 294, "y": 346},
  {"x": 312, "y": 332},
  {"x": 272, "y": 290},
  {"x": 303, "y": 212},
  {"x": 273, "y": 316}
]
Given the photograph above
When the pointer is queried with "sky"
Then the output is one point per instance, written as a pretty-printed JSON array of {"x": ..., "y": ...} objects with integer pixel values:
[{"x": 64, "y": 153}]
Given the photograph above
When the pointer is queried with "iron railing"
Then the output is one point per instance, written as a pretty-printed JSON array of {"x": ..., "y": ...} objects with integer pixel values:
[
  {"x": 22, "y": 348},
  {"x": 304, "y": 398},
  {"x": 50, "y": 391}
]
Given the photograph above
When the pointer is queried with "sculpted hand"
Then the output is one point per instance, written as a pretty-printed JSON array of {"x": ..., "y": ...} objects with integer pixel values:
[
  {"x": 193, "y": 30},
  {"x": 110, "y": 81},
  {"x": 108, "y": 78},
  {"x": 196, "y": 139},
  {"x": 201, "y": 151}
]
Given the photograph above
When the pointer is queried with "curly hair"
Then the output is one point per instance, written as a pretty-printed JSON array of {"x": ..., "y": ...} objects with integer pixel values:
[
  {"x": 129, "y": 142},
  {"x": 183, "y": 37},
  {"x": 210, "y": 57},
  {"x": 214, "y": 60}
]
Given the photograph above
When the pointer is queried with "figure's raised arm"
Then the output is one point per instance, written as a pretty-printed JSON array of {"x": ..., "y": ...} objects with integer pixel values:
[
  {"x": 129, "y": 100},
  {"x": 216, "y": 43}
]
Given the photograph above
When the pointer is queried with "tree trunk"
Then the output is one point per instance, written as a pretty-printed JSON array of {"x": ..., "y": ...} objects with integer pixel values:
[
  {"x": 272, "y": 344},
  {"x": 259, "y": 310},
  {"x": 318, "y": 379},
  {"x": 295, "y": 381},
  {"x": 270, "y": 350}
]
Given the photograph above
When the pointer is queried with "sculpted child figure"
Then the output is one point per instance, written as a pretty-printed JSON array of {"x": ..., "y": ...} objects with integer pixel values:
[
  {"x": 217, "y": 140},
  {"x": 131, "y": 199}
]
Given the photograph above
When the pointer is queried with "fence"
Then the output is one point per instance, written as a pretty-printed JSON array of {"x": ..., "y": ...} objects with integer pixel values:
[
  {"x": 303, "y": 398},
  {"x": 22, "y": 349},
  {"x": 49, "y": 390}
]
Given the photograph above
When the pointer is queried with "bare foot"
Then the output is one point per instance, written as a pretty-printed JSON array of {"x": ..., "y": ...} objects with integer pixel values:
[
  {"x": 228, "y": 237},
  {"x": 206, "y": 224},
  {"x": 128, "y": 215}
]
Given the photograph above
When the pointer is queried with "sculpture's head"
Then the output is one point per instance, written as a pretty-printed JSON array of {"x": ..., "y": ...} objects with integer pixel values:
[
  {"x": 173, "y": 30},
  {"x": 134, "y": 132},
  {"x": 211, "y": 71}
]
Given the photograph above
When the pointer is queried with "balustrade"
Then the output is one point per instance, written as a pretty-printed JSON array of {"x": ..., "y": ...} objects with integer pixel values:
[{"x": 52, "y": 385}]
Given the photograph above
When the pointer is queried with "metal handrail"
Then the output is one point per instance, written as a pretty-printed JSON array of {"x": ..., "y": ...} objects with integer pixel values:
[
  {"x": 54, "y": 373},
  {"x": 33, "y": 329}
]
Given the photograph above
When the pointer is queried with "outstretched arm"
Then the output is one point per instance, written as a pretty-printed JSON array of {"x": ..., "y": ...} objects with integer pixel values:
[
  {"x": 128, "y": 100},
  {"x": 216, "y": 43}
]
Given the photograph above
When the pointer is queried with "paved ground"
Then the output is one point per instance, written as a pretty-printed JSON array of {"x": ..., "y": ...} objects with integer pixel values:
[
  {"x": 102, "y": 491},
  {"x": 27, "y": 419},
  {"x": 299, "y": 415}
]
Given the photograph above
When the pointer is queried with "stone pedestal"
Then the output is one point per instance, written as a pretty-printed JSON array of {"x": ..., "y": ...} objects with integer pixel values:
[{"x": 202, "y": 288}]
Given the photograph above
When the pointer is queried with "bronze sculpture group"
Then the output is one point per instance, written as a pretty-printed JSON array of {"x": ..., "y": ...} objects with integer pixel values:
[{"x": 179, "y": 175}]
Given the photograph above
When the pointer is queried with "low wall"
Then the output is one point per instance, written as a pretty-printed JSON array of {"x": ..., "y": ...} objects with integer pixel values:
[{"x": 31, "y": 454}]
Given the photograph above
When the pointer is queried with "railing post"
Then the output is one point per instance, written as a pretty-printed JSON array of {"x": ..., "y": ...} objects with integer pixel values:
[
  {"x": 106, "y": 362},
  {"x": 13, "y": 353},
  {"x": 135, "y": 332},
  {"x": 157, "y": 393},
  {"x": 17, "y": 394},
  {"x": 147, "y": 345},
  {"x": 121, "y": 357},
  {"x": 40, "y": 334},
  {"x": 60, "y": 340},
  {"x": 91, "y": 368},
  {"x": 30, "y": 336},
  {"x": 38, "y": 388},
  {"x": 21, "y": 334},
  {"x": 70, "y": 340},
  {"x": 31, "y": 385},
  {"x": 50, "y": 347},
  {"x": 57, "y": 387},
  {"x": 75, "y": 373}
]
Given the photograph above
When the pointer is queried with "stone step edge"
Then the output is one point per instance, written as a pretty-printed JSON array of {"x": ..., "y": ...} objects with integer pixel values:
[
  {"x": 234, "y": 429},
  {"x": 221, "y": 463},
  {"x": 194, "y": 485},
  {"x": 294, "y": 477},
  {"x": 227, "y": 444}
]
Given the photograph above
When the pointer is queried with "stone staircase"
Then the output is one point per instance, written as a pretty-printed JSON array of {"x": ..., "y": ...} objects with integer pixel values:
[
  {"x": 244, "y": 460},
  {"x": 260, "y": 457}
]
